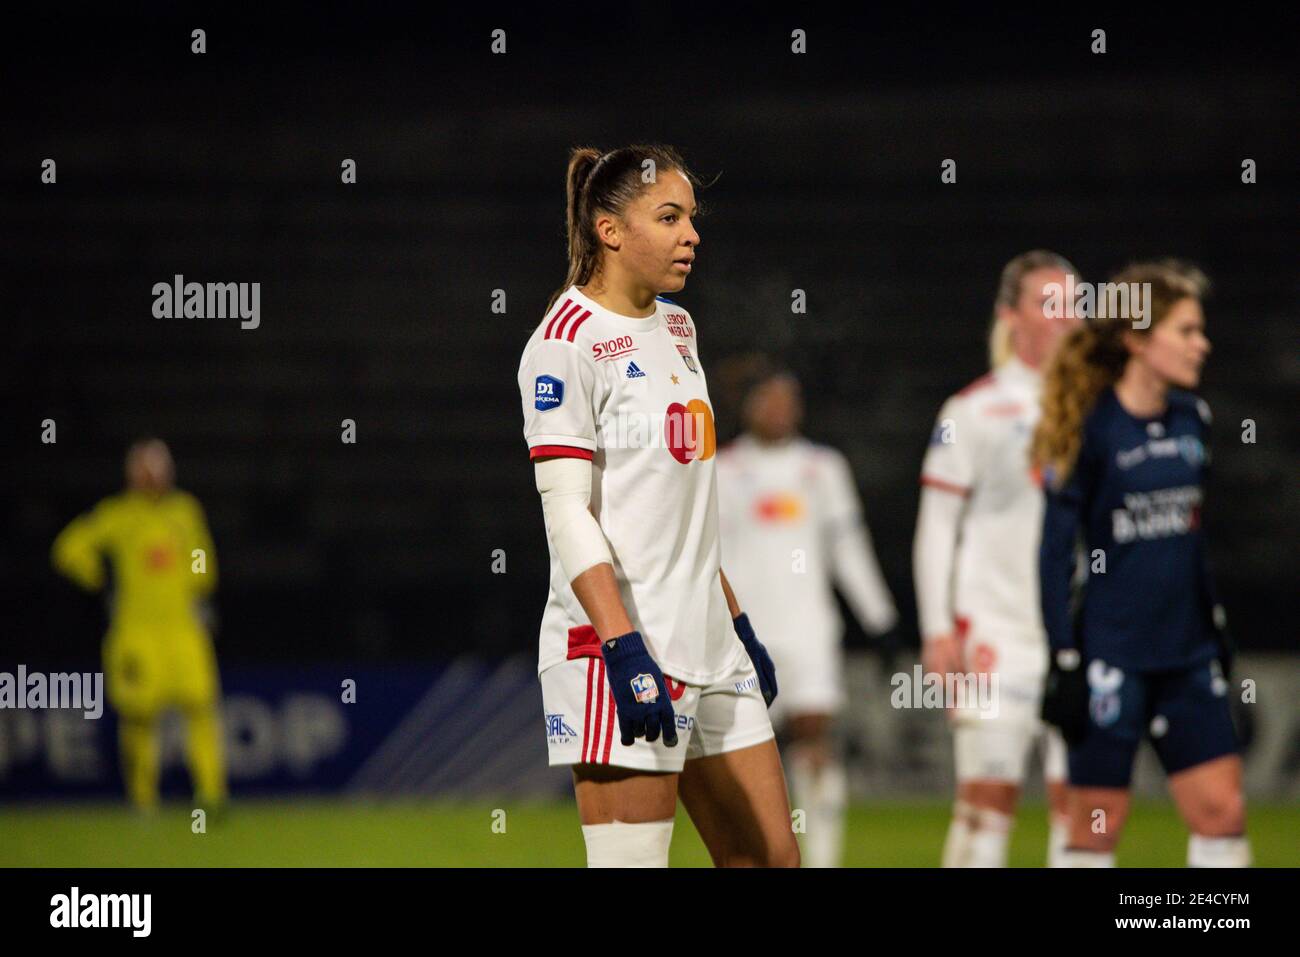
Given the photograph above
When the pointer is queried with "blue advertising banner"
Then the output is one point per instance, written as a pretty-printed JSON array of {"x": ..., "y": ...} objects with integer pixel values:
[{"x": 467, "y": 727}]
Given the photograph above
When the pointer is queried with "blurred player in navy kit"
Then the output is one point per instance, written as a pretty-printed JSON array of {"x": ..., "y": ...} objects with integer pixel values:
[{"x": 1124, "y": 455}]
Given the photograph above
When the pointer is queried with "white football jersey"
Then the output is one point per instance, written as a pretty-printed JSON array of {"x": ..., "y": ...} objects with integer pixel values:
[
  {"x": 630, "y": 395},
  {"x": 980, "y": 451},
  {"x": 784, "y": 510}
]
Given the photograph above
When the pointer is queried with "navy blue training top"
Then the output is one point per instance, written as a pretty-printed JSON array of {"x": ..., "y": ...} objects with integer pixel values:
[{"x": 1135, "y": 493}]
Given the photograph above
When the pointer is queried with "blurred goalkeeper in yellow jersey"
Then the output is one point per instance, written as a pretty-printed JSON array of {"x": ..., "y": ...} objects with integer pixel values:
[{"x": 158, "y": 654}]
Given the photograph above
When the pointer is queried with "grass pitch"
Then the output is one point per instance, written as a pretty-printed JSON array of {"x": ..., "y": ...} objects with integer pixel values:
[{"x": 342, "y": 833}]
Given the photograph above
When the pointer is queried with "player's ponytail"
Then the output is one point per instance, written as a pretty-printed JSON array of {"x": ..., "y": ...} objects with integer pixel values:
[
  {"x": 606, "y": 182},
  {"x": 1093, "y": 357},
  {"x": 1085, "y": 362}
]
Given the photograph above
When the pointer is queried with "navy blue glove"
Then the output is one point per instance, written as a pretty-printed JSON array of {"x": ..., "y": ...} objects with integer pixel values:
[
  {"x": 759, "y": 656},
  {"x": 1065, "y": 696},
  {"x": 641, "y": 697}
]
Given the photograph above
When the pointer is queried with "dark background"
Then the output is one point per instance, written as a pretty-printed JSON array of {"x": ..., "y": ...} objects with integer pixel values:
[{"x": 376, "y": 297}]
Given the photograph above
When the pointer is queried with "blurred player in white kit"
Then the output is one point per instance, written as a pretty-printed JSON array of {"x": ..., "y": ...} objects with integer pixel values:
[
  {"x": 975, "y": 563},
  {"x": 791, "y": 523}
]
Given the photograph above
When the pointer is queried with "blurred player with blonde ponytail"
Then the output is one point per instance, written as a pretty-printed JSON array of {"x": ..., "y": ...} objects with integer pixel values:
[{"x": 975, "y": 561}]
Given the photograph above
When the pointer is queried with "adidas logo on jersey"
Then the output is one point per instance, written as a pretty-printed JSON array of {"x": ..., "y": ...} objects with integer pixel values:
[{"x": 633, "y": 372}]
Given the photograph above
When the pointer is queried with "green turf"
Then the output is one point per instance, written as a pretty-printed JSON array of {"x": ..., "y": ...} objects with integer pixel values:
[{"x": 332, "y": 833}]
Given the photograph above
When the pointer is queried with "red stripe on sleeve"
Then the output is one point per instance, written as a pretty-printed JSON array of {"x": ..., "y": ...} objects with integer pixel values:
[
  {"x": 945, "y": 486},
  {"x": 573, "y": 311},
  {"x": 558, "y": 312},
  {"x": 573, "y": 329},
  {"x": 561, "y": 451}
]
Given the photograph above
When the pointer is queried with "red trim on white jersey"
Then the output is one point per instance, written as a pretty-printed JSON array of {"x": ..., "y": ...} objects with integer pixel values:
[
  {"x": 561, "y": 451},
  {"x": 945, "y": 486}
]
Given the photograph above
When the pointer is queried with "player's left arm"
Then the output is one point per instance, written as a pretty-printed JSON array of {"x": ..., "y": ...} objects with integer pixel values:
[
  {"x": 853, "y": 561},
  {"x": 205, "y": 582},
  {"x": 762, "y": 661},
  {"x": 1216, "y": 615}
]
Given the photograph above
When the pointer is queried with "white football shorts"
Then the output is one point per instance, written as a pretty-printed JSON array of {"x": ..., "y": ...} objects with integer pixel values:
[{"x": 582, "y": 727}]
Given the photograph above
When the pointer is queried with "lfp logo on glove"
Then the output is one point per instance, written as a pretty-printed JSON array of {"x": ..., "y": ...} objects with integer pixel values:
[{"x": 644, "y": 689}]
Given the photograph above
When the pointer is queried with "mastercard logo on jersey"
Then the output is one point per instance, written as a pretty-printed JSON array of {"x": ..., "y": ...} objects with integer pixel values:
[
  {"x": 549, "y": 393},
  {"x": 689, "y": 431},
  {"x": 779, "y": 507}
]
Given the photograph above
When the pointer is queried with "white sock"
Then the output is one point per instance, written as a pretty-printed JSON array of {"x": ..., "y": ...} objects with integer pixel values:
[
  {"x": 1073, "y": 857},
  {"x": 1057, "y": 839},
  {"x": 956, "y": 843},
  {"x": 619, "y": 844},
  {"x": 988, "y": 839},
  {"x": 824, "y": 840},
  {"x": 1205, "y": 851}
]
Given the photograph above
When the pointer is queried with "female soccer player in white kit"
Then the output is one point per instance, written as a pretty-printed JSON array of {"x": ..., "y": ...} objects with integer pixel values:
[
  {"x": 975, "y": 564},
  {"x": 653, "y": 684},
  {"x": 791, "y": 524}
]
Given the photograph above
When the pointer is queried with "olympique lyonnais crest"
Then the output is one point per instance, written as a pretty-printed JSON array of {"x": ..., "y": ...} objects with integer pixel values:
[
  {"x": 688, "y": 358},
  {"x": 644, "y": 689}
]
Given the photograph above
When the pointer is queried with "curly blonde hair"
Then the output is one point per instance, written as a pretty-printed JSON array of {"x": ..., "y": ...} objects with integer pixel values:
[{"x": 1093, "y": 357}]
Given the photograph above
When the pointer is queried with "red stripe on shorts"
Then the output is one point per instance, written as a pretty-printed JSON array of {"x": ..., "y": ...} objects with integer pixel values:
[
  {"x": 609, "y": 732},
  {"x": 600, "y": 706},
  {"x": 586, "y": 721}
]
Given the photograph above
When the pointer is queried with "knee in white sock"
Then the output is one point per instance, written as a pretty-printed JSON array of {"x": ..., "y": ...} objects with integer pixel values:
[
  {"x": 988, "y": 839},
  {"x": 619, "y": 844},
  {"x": 1057, "y": 838},
  {"x": 956, "y": 843}
]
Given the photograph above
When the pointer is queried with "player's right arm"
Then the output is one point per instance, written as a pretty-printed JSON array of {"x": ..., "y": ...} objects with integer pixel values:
[
  {"x": 78, "y": 551},
  {"x": 561, "y": 393},
  {"x": 947, "y": 478}
]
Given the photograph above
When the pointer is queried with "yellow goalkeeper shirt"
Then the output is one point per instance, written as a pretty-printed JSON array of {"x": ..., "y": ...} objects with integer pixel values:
[{"x": 162, "y": 555}]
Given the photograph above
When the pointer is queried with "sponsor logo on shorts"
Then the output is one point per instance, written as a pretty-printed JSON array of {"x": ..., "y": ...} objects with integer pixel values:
[
  {"x": 685, "y": 722},
  {"x": 675, "y": 688},
  {"x": 746, "y": 685},
  {"x": 1105, "y": 682},
  {"x": 558, "y": 731}
]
